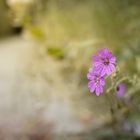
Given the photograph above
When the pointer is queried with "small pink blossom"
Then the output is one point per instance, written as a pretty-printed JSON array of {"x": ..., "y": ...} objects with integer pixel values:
[
  {"x": 120, "y": 90},
  {"x": 96, "y": 82},
  {"x": 104, "y": 62}
]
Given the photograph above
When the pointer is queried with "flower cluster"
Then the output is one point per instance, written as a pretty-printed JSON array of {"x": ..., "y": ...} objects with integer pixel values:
[{"x": 103, "y": 64}]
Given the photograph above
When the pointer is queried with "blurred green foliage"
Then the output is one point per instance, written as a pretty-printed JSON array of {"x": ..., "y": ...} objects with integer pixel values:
[
  {"x": 5, "y": 21},
  {"x": 37, "y": 32},
  {"x": 56, "y": 52}
]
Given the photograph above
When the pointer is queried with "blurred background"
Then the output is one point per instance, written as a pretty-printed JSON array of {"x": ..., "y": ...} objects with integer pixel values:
[{"x": 45, "y": 53}]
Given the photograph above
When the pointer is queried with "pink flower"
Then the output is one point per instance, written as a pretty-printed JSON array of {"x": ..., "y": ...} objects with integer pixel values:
[
  {"x": 120, "y": 90},
  {"x": 96, "y": 82},
  {"x": 104, "y": 62}
]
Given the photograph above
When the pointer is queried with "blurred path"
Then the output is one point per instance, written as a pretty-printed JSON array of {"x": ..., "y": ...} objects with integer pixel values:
[
  {"x": 20, "y": 97},
  {"x": 14, "y": 52}
]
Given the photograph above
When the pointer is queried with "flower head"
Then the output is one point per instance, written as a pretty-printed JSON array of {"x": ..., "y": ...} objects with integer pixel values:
[
  {"x": 120, "y": 90},
  {"x": 96, "y": 82},
  {"x": 104, "y": 62}
]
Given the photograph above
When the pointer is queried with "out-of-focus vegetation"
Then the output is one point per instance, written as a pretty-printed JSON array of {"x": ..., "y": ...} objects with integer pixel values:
[
  {"x": 65, "y": 34},
  {"x": 5, "y": 21}
]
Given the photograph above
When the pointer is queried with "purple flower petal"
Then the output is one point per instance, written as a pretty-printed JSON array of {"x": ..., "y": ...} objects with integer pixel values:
[
  {"x": 99, "y": 90},
  {"x": 108, "y": 70},
  {"x": 102, "y": 81},
  {"x": 120, "y": 91},
  {"x": 90, "y": 74},
  {"x": 98, "y": 69},
  {"x": 96, "y": 58},
  {"x": 101, "y": 52},
  {"x": 91, "y": 86},
  {"x": 103, "y": 71},
  {"x": 97, "y": 63},
  {"x": 112, "y": 59}
]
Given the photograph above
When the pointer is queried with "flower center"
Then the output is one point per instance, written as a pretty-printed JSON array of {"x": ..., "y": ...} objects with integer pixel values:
[
  {"x": 97, "y": 78},
  {"x": 118, "y": 88},
  {"x": 106, "y": 61}
]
